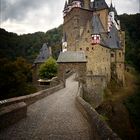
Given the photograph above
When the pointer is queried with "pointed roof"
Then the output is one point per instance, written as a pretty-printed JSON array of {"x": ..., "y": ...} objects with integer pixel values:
[
  {"x": 113, "y": 40},
  {"x": 69, "y": 1},
  {"x": 97, "y": 25},
  {"x": 66, "y": 5},
  {"x": 111, "y": 7},
  {"x": 99, "y": 5},
  {"x": 43, "y": 55}
]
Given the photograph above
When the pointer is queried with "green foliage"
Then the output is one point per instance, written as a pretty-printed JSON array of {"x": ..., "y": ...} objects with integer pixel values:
[
  {"x": 15, "y": 77},
  {"x": 133, "y": 105},
  {"x": 15, "y": 73},
  {"x": 103, "y": 117},
  {"x": 28, "y": 45},
  {"x": 131, "y": 24},
  {"x": 48, "y": 69}
]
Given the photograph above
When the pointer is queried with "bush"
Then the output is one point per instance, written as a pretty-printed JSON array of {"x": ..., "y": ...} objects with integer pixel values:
[
  {"x": 133, "y": 105},
  {"x": 48, "y": 69},
  {"x": 15, "y": 78}
]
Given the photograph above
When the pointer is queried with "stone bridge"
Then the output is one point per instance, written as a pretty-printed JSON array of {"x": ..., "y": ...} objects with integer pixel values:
[{"x": 55, "y": 117}]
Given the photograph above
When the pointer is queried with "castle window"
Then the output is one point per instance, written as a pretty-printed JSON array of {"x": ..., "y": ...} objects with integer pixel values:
[
  {"x": 87, "y": 49},
  {"x": 120, "y": 65},
  {"x": 88, "y": 31},
  {"x": 95, "y": 39},
  {"x": 92, "y": 48},
  {"x": 119, "y": 54},
  {"x": 101, "y": 79},
  {"x": 112, "y": 55},
  {"x": 86, "y": 57},
  {"x": 80, "y": 49}
]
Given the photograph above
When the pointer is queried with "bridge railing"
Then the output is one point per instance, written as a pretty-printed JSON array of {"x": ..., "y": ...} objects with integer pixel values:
[{"x": 100, "y": 129}]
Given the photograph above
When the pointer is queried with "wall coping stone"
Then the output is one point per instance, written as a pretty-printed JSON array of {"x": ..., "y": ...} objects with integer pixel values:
[
  {"x": 12, "y": 114},
  {"x": 99, "y": 126},
  {"x": 30, "y": 99}
]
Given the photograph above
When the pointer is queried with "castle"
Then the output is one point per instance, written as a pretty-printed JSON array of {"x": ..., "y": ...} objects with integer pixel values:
[{"x": 94, "y": 27}]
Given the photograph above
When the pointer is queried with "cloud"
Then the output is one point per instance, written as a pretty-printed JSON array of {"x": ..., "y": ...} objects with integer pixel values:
[
  {"x": 28, "y": 16},
  {"x": 18, "y": 9},
  {"x": 31, "y": 15},
  {"x": 126, "y": 6}
]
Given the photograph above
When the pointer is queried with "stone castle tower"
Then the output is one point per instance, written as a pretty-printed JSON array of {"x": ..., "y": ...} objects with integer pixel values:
[{"x": 94, "y": 27}]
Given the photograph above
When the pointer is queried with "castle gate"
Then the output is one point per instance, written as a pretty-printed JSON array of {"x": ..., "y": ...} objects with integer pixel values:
[{"x": 74, "y": 62}]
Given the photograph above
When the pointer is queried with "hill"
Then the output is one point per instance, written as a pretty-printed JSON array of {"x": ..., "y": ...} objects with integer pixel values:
[
  {"x": 131, "y": 24},
  {"x": 28, "y": 45}
]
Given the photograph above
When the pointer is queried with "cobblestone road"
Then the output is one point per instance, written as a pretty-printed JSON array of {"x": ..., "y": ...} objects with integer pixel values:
[{"x": 53, "y": 118}]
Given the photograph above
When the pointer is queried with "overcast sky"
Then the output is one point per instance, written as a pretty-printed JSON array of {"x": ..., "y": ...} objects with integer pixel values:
[{"x": 28, "y": 16}]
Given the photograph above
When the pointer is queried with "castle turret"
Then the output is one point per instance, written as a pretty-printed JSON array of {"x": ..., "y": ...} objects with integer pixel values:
[
  {"x": 86, "y": 4},
  {"x": 71, "y": 4},
  {"x": 64, "y": 43},
  {"x": 113, "y": 18}
]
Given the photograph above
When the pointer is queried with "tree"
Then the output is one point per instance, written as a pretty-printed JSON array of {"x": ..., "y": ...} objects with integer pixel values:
[
  {"x": 15, "y": 78},
  {"x": 48, "y": 69}
]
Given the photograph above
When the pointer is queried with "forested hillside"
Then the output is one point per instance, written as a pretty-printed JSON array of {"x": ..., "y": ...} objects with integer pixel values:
[
  {"x": 28, "y": 45},
  {"x": 131, "y": 24},
  {"x": 17, "y": 54}
]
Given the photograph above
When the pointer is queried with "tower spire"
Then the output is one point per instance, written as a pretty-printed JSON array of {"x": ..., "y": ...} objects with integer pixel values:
[{"x": 66, "y": 4}]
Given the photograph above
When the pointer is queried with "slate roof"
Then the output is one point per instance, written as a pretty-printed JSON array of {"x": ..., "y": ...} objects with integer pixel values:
[
  {"x": 43, "y": 55},
  {"x": 97, "y": 25},
  {"x": 72, "y": 56},
  {"x": 99, "y": 5},
  {"x": 113, "y": 40},
  {"x": 66, "y": 5}
]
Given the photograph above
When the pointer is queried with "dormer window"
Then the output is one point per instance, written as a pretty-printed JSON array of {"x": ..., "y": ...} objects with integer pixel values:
[{"x": 95, "y": 39}]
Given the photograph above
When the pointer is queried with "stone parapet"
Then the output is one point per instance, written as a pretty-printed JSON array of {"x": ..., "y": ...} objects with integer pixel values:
[
  {"x": 12, "y": 114},
  {"x": 29, "y": 99},
  {"x": 100, "y": 129}
]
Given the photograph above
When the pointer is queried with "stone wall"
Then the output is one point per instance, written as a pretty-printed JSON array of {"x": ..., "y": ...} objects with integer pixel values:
[
  {"x": 14, "y": 109},
  {"x": 94, "y": 89},
  {"x": 30, "y": 99},
  {"x": 74, "y": 22},
  {"x": 100, "y": 129},
  {"x": 117, "y": 61},
  {"x": 98, "y": 57},
  {"x": 79, "y": 68},
  {"x": 12, "y": 114}
]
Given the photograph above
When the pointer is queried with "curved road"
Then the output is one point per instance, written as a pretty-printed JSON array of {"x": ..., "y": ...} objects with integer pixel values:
[{"x": 52, "y": 118}]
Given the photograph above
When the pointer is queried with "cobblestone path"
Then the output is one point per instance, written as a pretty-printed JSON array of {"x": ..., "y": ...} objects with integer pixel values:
[{"x": 53, "y": 118}]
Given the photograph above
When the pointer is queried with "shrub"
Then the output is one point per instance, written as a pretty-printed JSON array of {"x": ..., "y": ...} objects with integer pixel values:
[{"x": 48, "y": 69}]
